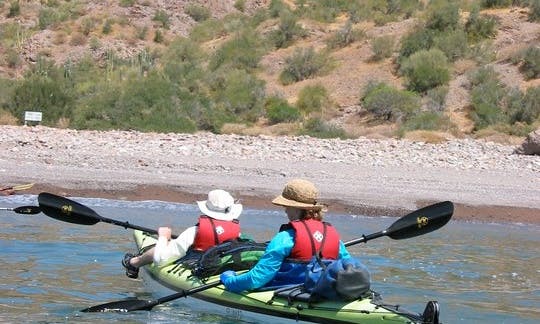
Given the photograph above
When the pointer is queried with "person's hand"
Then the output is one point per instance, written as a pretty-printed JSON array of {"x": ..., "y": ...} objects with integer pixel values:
[
  {"x": 226, "y": 278},
  {"x": 165, "y": 232}
]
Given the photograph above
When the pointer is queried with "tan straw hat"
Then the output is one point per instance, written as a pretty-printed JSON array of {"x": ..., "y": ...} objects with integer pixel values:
[{"x": 299, "y": 193}]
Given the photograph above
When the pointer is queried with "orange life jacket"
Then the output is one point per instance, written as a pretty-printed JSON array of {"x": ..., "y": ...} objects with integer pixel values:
[
  {"x": 212, "y": 232},
  {"x": 314, "y": 237}
]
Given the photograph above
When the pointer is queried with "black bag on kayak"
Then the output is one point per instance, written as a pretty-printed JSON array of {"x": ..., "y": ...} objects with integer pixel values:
[
  {"x": 236, "y": 255},
  {"x": 343, "y": 279}
]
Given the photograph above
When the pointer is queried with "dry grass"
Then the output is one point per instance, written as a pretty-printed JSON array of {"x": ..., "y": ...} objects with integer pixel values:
[{"x": 7, "y": 118}]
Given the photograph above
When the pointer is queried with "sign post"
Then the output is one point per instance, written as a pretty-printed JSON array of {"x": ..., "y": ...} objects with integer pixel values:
[{"x": 32, "y": 116}]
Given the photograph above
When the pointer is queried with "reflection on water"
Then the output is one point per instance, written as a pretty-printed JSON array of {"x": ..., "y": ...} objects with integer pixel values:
[{"x": 478, "y": 272}]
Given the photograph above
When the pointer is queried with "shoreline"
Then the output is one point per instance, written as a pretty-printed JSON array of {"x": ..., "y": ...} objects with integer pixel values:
[
  {"x": 486, "y": 181},
  {"x": 462, "y": 212}
]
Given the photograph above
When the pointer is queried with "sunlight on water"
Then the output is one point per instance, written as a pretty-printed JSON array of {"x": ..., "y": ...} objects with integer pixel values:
[{"x": 482, "y": 273}]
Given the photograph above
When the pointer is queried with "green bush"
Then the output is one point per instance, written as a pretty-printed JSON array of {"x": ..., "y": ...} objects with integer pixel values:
[
  {"x": 288, "y": 30},
  {"x": 426, "y": 70},
  {"x": 426, "y": 120},
  {"x": 162, "y": 17},
  {"x": 239, "y": 94},
  {"x": 43, "y": 89},
  {"x": 48, "y": 17},
  {"x": 345, "y": 36},
  {"x": 316, "y": 127},
  {"x": 207, "y": 30},
  {"x": 313, "y": 99},
  {"x": 240, "y": 5},
  {"x": 389, "y": 103},
  {"x": 197, "y": 12},
  {"x": 530, "y": 66},
  {"x": 487, "y": 95},
  {"x": 107, "y": 26},
  {"x": 303, "y": 64},
  {"x": 495, "y": 3},
  {"x": 278, "y": 110},
  {"x": 524, "y": 108},
  {"x": 417, "y": 40},
  {"x": 479, "y": 27},
  {"x": 14, "y": 9},
  {"x": 442, "y": 15},
  {"x": 452, "y": 43},
  {"x": 382, "y": 47},
  {"x": 127, "y": 3},
  {"x": 243, "y": 51},
  {"x": 436, "y": 98},
  {"x": 534, "y": 10}
]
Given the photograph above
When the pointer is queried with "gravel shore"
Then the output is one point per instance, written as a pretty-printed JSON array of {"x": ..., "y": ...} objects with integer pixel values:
[{"x": 485, "y": 180}]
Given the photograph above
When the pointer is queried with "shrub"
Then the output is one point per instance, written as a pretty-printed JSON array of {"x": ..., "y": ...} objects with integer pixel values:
[
  {"x": 158, "y": 36},
  {"x": 278, "y": 110},
  {"x": 43, "y": 89},
  {"x": 239, "y": 94},
  {"x": 524, "y": 107},
  {"x": 14, "y": 9},
  {"x": 107, "y": 26},
  {"x": 243, "y": 51},
  {"x": 436, "y": 98},
  {"x": 207, "y": 30},
  {"x": 197, "y": 12},
  {"x": 495, "y": 3},
  {"x": 417, "y": 40},
  {"x": 442, "y": 15},
  {"x": 312, "y": 99},
  {"x": 162, "y": 17},
  {"x": 426, "y": 70},
  {"x": 303, "y": 64},
  {"x": 487, "y": 96},
  {"x": 47, "y": 17},
  {"x": 382, "y": 47},
  {"x": 534, "y": 10},
  {"x": 345, "y": 36},
  {"x": 452, "y": 43},
  {"x": 317, "y": 127},
  {"x": 426, "y": 120},
  {"x": 288, "y": 30},
  {"x": 127, "y": 3},
  {"x": 530, "y": 66},
  {"x": 389, "y": 103},
  {"x": 480, "y": 27},
  {"x": 240, "y": 5}
]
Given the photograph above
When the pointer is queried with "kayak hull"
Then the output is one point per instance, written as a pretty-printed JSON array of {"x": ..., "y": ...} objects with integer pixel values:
[{"x": 366, "y": 310}]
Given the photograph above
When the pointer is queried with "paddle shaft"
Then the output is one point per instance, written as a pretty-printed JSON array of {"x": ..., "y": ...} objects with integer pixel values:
[{"x": 24, "y": 209}]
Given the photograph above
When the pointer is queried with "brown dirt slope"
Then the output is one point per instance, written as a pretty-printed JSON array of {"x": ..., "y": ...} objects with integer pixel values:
[{"x": 67, "y": 41}]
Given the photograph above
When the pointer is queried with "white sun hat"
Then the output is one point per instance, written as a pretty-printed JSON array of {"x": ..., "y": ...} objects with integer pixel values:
[{"x": 220, "y": 205}]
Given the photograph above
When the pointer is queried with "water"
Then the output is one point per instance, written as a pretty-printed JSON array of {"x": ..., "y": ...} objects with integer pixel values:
[{"x": 479, "y": 273}]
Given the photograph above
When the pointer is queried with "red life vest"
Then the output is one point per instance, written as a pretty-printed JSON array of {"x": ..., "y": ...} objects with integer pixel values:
[
  {"x": 212, "y": 232},
  {"x": 314, "y": 237}
]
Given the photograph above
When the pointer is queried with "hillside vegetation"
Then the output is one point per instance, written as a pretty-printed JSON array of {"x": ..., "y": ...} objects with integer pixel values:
[{"x": 428, "y": 70}]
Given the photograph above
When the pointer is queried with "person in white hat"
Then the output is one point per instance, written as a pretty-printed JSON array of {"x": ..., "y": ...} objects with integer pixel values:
[
  {"x": 286, "y": 257},
  {"x": 217, "y": 224}
]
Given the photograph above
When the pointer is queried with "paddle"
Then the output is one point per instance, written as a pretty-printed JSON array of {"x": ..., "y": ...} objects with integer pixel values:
[
  {"x": 71, "y": 211},
  {"x": 130, "y": 305},
  {"x": 24, "y": 209},
  {"x": 417, "y": 223},
  {"x": 19, "y": 187}
]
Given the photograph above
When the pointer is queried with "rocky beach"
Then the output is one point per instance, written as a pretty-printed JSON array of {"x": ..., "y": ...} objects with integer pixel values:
[{"x": 486, "y": 181}]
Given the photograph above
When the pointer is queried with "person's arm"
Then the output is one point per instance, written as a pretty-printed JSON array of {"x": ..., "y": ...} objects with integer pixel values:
[
  {"x": 265, "y": 270},
  {"x": 167, "y": 249},
  {"x": 343, "y": 253}
]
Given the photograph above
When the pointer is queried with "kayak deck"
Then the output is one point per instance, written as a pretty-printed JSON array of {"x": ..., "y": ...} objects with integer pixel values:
[{"x": 366, "y": 310}]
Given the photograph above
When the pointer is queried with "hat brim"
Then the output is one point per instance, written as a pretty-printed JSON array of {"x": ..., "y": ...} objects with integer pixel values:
[
  {"x": 234, "y": 212},
  {"x": 282, "y": 201}
]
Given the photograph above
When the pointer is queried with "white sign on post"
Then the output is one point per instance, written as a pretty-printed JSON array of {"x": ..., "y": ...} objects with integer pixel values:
[{"x": 32, "y": 116}]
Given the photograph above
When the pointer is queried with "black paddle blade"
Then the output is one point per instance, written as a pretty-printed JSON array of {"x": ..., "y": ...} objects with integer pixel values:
[
  {"x": 421, "y": 221},
  {"x": 127, "y": 305},
  {"x": 29, "y": 210},
  {"x": 66, "y": 210}
]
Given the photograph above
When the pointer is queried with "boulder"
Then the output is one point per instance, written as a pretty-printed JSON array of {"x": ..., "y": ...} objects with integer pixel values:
[{"x": 531, "y": 145}]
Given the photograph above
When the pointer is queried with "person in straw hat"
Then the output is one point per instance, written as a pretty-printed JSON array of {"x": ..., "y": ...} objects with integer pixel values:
[
  {"x": 288, "y": 253},
  {"x": 217, "y": 224}
]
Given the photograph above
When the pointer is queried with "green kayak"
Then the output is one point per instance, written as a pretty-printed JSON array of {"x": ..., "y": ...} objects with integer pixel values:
[{"x": 282, "y": 303}]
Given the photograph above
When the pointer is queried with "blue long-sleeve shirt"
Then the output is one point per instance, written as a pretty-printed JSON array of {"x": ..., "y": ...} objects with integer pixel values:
[{"x": 265, "y": 270}]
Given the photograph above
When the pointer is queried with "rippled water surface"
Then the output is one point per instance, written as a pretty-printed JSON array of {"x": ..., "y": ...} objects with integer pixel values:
[{"x": 479, "y": 273}]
